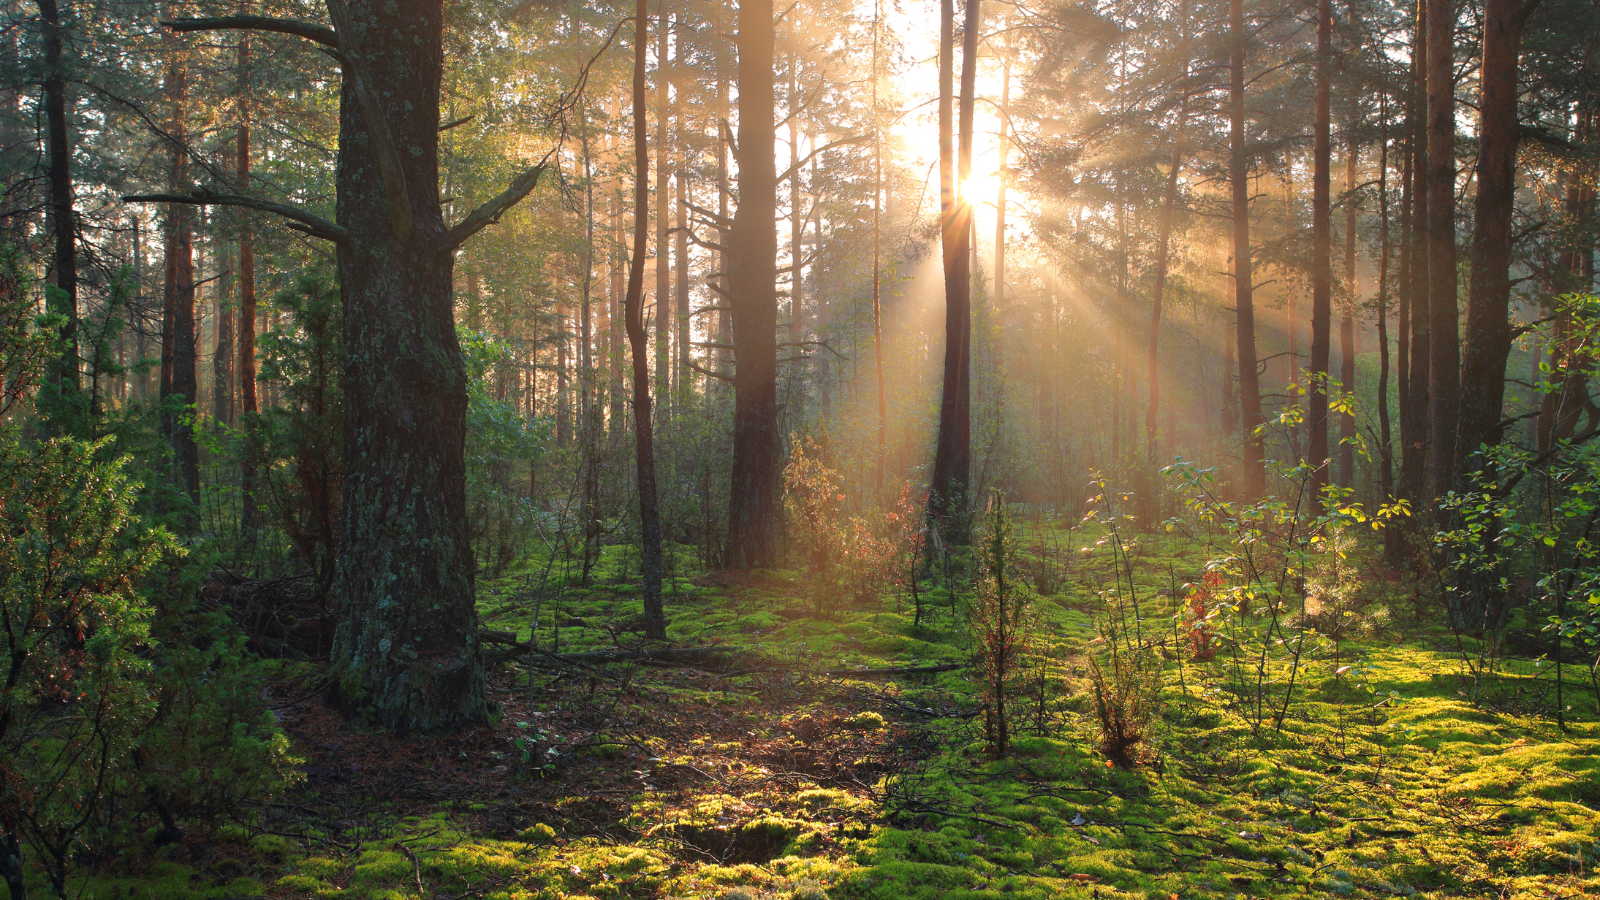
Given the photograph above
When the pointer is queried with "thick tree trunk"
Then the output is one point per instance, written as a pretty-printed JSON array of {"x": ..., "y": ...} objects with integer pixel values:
[
  {"x": 1488, "y": 334},
  {"x": 406, "y": 653},
  {"x": 752, "y": 263},
  {"x": 643, "y": 431},
  {"x": 1321, "y": 253},
  {"x": 1444, "y": 369},
  {"x": 1255, "y": 472},
  {"x": 952, "y": 461},
  {"x": 61, "y": 220}
]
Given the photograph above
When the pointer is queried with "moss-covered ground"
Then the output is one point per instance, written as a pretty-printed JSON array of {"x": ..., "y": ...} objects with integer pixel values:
[{"x": 1391, "y": 772}]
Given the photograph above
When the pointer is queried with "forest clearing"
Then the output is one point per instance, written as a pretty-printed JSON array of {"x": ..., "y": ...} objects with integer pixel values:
[{"x": 879, "y": 449}]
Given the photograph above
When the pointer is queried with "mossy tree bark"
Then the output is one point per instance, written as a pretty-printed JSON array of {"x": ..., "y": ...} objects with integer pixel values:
[{"x": 406, "y": 650}]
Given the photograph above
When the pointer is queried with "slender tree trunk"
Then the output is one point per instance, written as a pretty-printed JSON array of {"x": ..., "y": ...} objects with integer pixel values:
[
  {"x": 1004, "y": 152},
  {"x": 1444, "y": 370},
  {"x": 644, "y": 439},
  {"x": 618, "y": 317},
  {"x": 61, "y": 219},
  {"x": 685, "y": 351},
  {"x": 663, "y": 267},
  {"x": 1414, "y": 408},
  {"x": 1488, "y": 333},
  {"x": 1163, "y": 239},
  {"x": 588, "y": 405},
  {"x": 952, "y": 464},
  {"x": 877, "y": 253},
  {"x": 1385, "y": 437},
  {"x": 752, "y": 286},
  {"x": 1321, "y": 252},
  {"x": 1255, "y": 472},
  {"x": 222, "y": 359},
  {"x": 1347, "y": 324},
  {"x": 179, "y": 374}
]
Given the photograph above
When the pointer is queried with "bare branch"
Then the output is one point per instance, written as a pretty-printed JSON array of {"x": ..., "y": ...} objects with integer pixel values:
[
  {"x": 299, "y": 219},
  {"x": 490, "y": 213},
  {"x": 789, "y": 172},
  {"x": 706, "y": 372},
  {"x": 311, "y": 31}
]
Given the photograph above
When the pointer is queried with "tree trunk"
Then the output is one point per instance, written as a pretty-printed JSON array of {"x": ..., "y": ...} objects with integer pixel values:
[
  {"x": 1152, "y": 360},
  {"x": 1347, "y": 324},
  {"x": 1391, "y": 545},
  {"x": 222, "y": 359},
  {"x": 1488, "y": 335},
  {"x": 1444, "y": 369},
  {"x": 752, "y": 263},
  {"x": 655, "y": 625},
  {"x": 1321, "y": 254},
  {"x": 877, "y": 247},
  {"x": 247, "y": 308},
  {"x": 406, "y": 654},
  {"x": 179, "y": 372},
  {"x": 1415, "y": 419},
  {"x": 952, "y": 462},
  {"x": 61, "y": 220},
  {"x": 1255, "y": 471},
  {"x": 663, "y": 268}
]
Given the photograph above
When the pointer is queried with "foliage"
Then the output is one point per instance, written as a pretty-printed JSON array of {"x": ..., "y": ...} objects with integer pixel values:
[
  {"x": 502, "y": 518},
  {"x": 850, "y": 559},
  {"x": 303, "y": 357}
]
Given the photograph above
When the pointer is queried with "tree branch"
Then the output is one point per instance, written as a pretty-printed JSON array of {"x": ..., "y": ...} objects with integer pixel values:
[
  {"x": 706, "y": 372},
  {"x": 311, "y": 31},
  {"x": 789, "y": 173},
  {"x": 299, "y": 219},
  {"x": 490, "y": 213}
]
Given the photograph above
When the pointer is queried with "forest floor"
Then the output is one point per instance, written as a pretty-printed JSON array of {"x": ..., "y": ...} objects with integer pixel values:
[{"x": 790, "y": 776}]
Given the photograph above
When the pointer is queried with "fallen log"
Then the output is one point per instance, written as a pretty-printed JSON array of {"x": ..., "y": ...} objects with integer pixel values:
[
  {"x": 890, "y": 673},
  {"x": 678, "y": 655}
]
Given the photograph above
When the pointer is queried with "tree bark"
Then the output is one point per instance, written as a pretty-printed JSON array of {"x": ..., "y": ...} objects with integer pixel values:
[
  {"x": 1415, "y": 418},
  {"x": 1347, "y": 324},
  {"x": 1488, "y": 332},
  {"x": 952, "y": 462},
  {"x": 1255, "y": 471},
  {"x": 1152, "y": 360},
  {"x": 1321, "y": 253},
  {"x": 643, "y": 433},
  {"x": 62, "y": 220},
  {"x": 1444, "y": 369},
  {"x": 752, "y": 264},
  {"x": 179, "y": 373},
  {"x": 663, "y": 266},
  {"x": 222, "y": 359},
  {"x": 406, "y": 654}
]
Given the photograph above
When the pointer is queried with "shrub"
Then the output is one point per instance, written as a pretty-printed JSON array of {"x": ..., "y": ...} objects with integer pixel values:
[{"x": 1127, "y": 700}]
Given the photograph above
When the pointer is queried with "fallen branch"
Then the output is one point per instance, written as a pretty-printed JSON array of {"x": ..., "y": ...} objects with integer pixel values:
[{"x": 890, "y": 673}]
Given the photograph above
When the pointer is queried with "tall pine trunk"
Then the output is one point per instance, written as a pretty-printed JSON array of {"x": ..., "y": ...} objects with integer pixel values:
[
  {"x": 752, "y": 264},
  {"x": 180, "y": 376},
  {"x": 1444, "y": 369},
  {"x": 1321, "y": 252},
  {"x": 61, "y": 220},
  {"x": 1347, "y": 324},
  {"x": 1488, "y": 332},
  {"x": 643, "y": 432},
  {"x": 952, "y": 461},
  {"x": 1255, "y": 471}
]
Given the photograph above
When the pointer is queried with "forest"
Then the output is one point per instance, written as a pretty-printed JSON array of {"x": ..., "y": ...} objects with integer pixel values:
[{"x": 853, "y": 449}]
